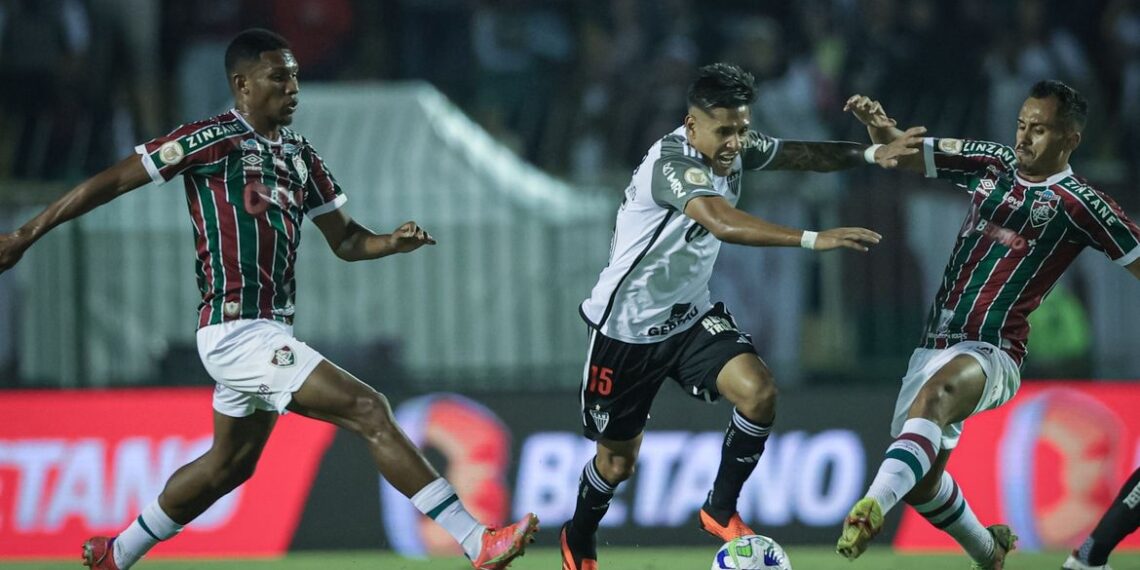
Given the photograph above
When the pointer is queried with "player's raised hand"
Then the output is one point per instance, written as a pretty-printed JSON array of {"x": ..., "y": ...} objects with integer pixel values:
[
  {"x": 12, "y": 248},
  {"x": 410, "y": 237},
  {"x": 858, "y": 239},
  {"x": 906, "y": 144},
  {"x": 869, "y": 111}
]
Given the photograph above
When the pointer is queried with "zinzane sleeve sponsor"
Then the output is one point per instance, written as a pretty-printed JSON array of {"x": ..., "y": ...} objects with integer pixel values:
[
  {"x": 759, "y": 150},
  {"x": 962, "y": 161},
  {"x": 322, "y": 193},
  {"x": 188, "y": 146},
  {"x": 676, "y": 180},
  {"x": 1103, "y": 224}
]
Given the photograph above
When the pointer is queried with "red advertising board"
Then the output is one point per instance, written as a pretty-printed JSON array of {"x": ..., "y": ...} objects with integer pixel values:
[
  {"x": 78, "y": 463},
  {"x": 1047, "y": 463}
]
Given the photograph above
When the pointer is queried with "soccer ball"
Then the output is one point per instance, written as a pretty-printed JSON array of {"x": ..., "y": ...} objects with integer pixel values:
[{"x": 753, "y": 552}]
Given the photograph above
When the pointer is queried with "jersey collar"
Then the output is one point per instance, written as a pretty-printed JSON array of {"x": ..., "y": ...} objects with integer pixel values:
[
  {"x": 1054, "y": 179},
  {"x": 239, "y": 116}
]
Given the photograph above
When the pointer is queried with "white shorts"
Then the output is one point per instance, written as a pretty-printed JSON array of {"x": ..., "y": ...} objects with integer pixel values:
[
  {"x": 258, "y": 365},
  {"x": 1003, "y": 378}
]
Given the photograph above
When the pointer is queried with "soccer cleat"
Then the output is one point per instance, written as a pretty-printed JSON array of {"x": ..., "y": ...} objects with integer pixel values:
[
  {"x": 501, "y": 546},
  {"x": 733, "y": 529},
  {"x": 577, "y": 555},
  {"x": 1074, "y": 563},
  {"x": 861, "y": 525},
  {"x": 1004, "y": 542},
  {"x": 99, "y": 553}
]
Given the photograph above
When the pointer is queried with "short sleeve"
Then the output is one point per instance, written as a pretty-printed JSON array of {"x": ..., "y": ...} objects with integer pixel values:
[
  {"x": 963, "y": 161},
  {"x": 188, "y": 146},
  {"x": 678, "y": 179},
  {"x": 1104, "y": 225},
  {"x": 322, "y": 193},
  {"x": 759, "y": 150}
]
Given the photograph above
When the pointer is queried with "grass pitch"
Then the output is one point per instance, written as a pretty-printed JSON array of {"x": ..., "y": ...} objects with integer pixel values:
[{"x": 612, "y": 558}]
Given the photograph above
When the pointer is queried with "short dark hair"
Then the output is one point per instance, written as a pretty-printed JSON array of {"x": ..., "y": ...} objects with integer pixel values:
[
  {"x": 1072, "y": 107},
  {"x": 249, "y": 44},
  {"x": 722, "y": 85}
]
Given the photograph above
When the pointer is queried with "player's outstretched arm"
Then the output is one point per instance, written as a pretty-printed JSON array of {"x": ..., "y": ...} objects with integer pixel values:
[
  {"x": 819, "y": 156},
  {"x": 881, "y": 128},
  {"x": 731, "y": 225},
  {"x": 124, "y": 176},
  {"x": 351, "y": 241}
]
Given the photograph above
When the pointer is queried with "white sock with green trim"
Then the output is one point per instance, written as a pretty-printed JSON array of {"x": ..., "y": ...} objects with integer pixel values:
[
  {"x": 908, "y": 460},
  {"x": 950, "y": 512},
  {"x": 150, "y": 527},
  {"x": 439, "y": 502}
]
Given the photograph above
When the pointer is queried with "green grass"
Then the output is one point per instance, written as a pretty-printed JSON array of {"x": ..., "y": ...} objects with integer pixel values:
[{"x": 803, "y": 558}]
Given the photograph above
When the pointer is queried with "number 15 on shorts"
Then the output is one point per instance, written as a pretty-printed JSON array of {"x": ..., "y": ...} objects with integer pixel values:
[{"x": 601, "y": 380}]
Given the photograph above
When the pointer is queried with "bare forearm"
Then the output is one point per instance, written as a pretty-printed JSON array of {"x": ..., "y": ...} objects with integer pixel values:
[
  {"x": 88, "y": 195},
  {"x": 362, "y": 243},
  {"x": 818, "y": 156},
  {"x": 760, "y": 234}
]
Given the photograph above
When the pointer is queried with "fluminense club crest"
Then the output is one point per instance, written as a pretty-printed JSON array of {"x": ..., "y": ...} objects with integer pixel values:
[
  {"x": 1044, "y": 207},
  {"x": 283, "y": 357}
]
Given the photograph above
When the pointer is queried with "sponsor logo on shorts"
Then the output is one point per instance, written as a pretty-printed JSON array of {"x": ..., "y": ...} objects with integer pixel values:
[
  {"x": 263, "y": 389},
  {"x": 717, "y": 324},
  {"x": 601, "y": 419},
  {"x": 283, "y": 357}
]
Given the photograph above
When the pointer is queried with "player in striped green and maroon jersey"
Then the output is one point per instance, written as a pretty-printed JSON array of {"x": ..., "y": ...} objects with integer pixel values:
[
  {"x": 1029, "y": 217},
  {"x": 249, "y": 180}
]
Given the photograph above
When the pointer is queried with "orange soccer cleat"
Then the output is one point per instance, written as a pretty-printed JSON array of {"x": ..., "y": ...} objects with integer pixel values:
[
  {"x": 733, "y": 529},
  {"x": 501, "y": 546},
  {"x": 98, "y": 553},
  {"x": 577, "y": 554}
]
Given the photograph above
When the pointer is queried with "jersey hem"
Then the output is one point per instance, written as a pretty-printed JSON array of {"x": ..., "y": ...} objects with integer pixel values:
[
  {"x": 148, "y": 164},
  {"x": 327, "y": 207}
]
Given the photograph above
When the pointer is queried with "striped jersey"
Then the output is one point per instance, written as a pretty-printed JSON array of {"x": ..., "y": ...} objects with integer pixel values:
[
  {"x": 656, "y": 282},
  {"x": 246, "y": 196},
  {"x": 1017, "y": 240}
]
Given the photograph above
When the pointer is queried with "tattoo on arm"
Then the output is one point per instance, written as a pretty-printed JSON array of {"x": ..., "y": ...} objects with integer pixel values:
[{"x": 817, "y": 156}]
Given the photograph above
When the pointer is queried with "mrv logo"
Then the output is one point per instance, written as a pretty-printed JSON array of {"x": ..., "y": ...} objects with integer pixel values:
[{"x": 801, "y": 478}]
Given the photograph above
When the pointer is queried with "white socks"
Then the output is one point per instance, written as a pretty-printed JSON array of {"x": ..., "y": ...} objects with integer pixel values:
[
  {"x": 439, "y": 502},
  {"x": 948, "y": 511},
  {"x": 146, "y": 531},
  {"x": 908, "y": 459}
]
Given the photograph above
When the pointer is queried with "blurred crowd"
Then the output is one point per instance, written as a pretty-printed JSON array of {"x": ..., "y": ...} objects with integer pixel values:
[{"x": 579, "y": 87}]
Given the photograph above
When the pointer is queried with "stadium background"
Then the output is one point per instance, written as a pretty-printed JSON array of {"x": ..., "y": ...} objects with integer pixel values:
[{"x": 508, "y": 128}]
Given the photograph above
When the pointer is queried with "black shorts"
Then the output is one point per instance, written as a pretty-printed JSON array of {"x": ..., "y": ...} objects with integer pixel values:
[{"x": 621, "y": 379}]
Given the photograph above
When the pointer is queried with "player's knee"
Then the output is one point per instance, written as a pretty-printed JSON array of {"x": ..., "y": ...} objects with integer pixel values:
[
  {"x": 935, "y": 402},
  {"x": 757, "y": 396},
  {"x": 373, "y": 416},
  {"x": 616, "y": 469}
]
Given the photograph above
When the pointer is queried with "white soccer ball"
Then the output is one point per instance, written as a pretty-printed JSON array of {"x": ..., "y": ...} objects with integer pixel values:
[{"x": 753, "y": 552}]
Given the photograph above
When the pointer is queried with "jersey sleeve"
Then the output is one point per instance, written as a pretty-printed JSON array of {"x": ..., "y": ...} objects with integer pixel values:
[
  {"x": 962, "y": 161},
  {"x": 678, "y": 179},
  {"x": 187, "y": 147},
  {"x": 322, "y": 193},
  {"x": 759, "y": 150},
  {"x": 1104, "y": 225}
]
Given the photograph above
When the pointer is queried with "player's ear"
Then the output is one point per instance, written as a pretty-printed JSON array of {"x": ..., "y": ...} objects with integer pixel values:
[
  {"x": 1073, "y": 140},
  {"x": 690, "y": 122},
  {"x": 238, "y": 83}
]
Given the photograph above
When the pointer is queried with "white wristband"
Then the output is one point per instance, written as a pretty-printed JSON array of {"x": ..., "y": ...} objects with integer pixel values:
[
  {"x": 807, "y": 241},
  {"x": 869, "y": 154}
]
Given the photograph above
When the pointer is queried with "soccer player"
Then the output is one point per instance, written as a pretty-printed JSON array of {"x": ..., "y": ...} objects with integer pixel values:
[
  {"x": 650, "y": 315},
  {"x": 249, "y": 181},
  {"x": 1121, "y": 520},
  {"x": 1029, "y": 217}
]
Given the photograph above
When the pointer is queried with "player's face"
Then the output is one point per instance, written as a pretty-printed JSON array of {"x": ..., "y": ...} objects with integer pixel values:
[
  {"x": 1044, "y": 142},
  {"x": 270, "y": 89},
  {"x": 718, "y": 134}
]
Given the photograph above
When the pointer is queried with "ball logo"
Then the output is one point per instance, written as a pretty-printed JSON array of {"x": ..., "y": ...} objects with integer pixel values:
[
  {"x": 171, "y": 153},
  {"x": 476, "y": 445},
  {"x": 1061, "y": 455}
]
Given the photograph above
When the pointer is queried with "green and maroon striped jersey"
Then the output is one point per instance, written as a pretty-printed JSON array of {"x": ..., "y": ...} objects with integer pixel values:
[
  {"x": 246, "y": 196},
  {"x": 1017, "y": 240}
]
